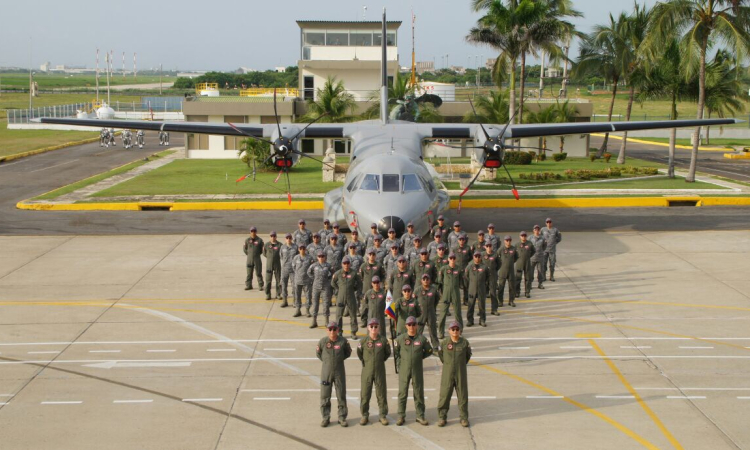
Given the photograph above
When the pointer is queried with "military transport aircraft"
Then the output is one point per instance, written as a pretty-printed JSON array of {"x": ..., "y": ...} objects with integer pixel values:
[{"x": 388, "y": 182}]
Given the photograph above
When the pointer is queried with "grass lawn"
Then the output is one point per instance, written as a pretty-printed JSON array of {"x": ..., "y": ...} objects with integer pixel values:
[
  {"x": 18, "y": 141},
  {"x": 717, "y": 142},
  {"x": 194, "y": 176},
  {"x": 97, "y": 178},
  {"x": 630, "y": 183},
  {"x": 59, "y": 80}
]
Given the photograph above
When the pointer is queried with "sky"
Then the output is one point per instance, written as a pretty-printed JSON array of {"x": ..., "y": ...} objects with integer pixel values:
[{"x": 200, "y": 35}]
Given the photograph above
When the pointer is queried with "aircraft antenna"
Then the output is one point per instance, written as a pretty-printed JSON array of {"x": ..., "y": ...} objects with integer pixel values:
[{"x": 384, "y": 74}]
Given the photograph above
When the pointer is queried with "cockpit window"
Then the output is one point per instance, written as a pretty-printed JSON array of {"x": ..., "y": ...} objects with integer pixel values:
[
  {"x": 390, "y": 182},
  {"x": 411, "y": 183},
  {"x": 353, "y": 184},
  {"x": 427, "y": 184},
  {"x": 371, "y": 182}
]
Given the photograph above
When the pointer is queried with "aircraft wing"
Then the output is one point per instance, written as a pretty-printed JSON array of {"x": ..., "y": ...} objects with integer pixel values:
[{"x": 557, "y": 129}]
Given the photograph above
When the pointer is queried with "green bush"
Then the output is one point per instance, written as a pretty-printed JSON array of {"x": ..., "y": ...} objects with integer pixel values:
[
  {"x": 592, "y": 158},
  {"x": 615, "y": 171},
  {"x": 517, "y": 158},
  {"x": 540, "y": 176},
  {"x": 542, "y": 156},
  {"x": 559, "y": 156},
  {"x": 650, "y": 170}
]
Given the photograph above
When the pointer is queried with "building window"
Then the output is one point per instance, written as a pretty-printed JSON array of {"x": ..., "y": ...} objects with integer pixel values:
[
  {"x": 309, "y": 83},
  {"x": 307, "y": 145},
  {"x": 234, "y": 143},
  {"x": 390, "y": 38},
  {"x": 335, "y": 39},
  {"x": 315, "y": 38},
  {"x": 360, "y": 38}
]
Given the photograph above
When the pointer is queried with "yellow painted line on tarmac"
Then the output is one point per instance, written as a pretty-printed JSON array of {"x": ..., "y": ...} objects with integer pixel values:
[
  {"x": 662, "y": 144},
  {"x": 175, "y": 206},
  {"x": 627, "y": 431},
  {"x": 744, "y": 155},
  {"x": 670, "y": 437},
  {"x": 588, "y": 202}
]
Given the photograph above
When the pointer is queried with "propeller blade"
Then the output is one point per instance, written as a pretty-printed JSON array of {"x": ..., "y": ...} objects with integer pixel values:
[
  {"x": 276, "y": 114},
  {"x": 278, "y": 176},
  {"x": 248, "y": 134},
  {"x": 254, "y": 161},
  {"x": 241, "y": 178},
  {"x": 313, "y": 158},
  {"x": 502, "y": 133},
  {"x": 486, "y": 134},
  {"x": 513, "y": 183},
  {"x": 303, "y": 130},
  {"x": 471, "y": 183},
  {"x": 288, "y": 186}
]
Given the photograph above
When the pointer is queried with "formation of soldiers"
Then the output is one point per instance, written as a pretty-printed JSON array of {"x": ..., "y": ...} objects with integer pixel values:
[{"x": 429, "y": 282}]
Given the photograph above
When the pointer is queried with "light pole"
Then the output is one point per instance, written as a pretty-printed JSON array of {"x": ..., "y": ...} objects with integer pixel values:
[
  {"x": 160, "y": 71},
  {"x": 476, "y": 60},
  {"x": 31, "y": 79}
]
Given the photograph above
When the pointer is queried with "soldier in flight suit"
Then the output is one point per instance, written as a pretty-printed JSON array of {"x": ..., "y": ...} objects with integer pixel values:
[
  {"x": 523, "y": 265},
  {"x": 406, "y": 306},
  {"x": 373, "y": 306},
  {"x": 370, "y": 238},
  {"x": 407, "y": 237},
  {"x": 449, "y": 279},
  {"x": 454, "y": 353},
  {"x": 373, "y": 351},
  {"x": 492, "y": 238},
  {"x": 253, "y": 248},
  {"x": 333, "y": 350},
  {"x": 334, "y": 252},
  {"x": 537, "y": 261},
  {"x": 428, "y": 297},
  {"x": 476, "y": 277},
  {"x": 341, "y": 237},
  {"x": 356, "y": 262},
  {"x": 507, "y": 273},
  {"x": 432, "y": 246},
  {"x": 409, "y": 350},
  {"x": 302, "y": 235},
  {"x": 288, "y": 251},
  {"x": 345, "y": 282},
  {"x": 463, "y": 258},
  {"x": 389, "y": 262},
  {"x": 454, "y": 234},
  {"x": 359, "y": 245},
  {"x": 367, "y": 271},
  {"x": 316, "y": 245},
  {"x": 321, "y": 273},
  {"x": 489, "y": 258},
  {"x": 326, "y": 231},
  {"x": 380, "y": 251},
  {"x": 272, "y": 252},
  {"x": 412, "y": 254},
  {"x": 392, "y": 239},
  {"x": 302, "y": 282},
  {"x": 442, "y": 229},
  {"x": 553, "y": 237},
  {"x": 424, "y": 266}
]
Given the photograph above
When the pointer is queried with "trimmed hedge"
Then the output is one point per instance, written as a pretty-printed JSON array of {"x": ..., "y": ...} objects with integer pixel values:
[
  {"x": 518, "y": 158},
  {"x": 559, "y": 156}
]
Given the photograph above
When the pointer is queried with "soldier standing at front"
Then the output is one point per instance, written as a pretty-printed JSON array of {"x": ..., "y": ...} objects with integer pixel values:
[
  {"x": 537, "y": 261},
  {"x": 409, "y": 350},
  {"x": 302, "y": 282},
  {"x": 345, "y": 282},
  {"x": 333, "y": 350},
  {"x": 476, "y": 277},
  {"x": 373, "y": 351},
  {"x": 288, "y": 251},
  {"x": 321, "y": 273},
  {"x": 508, "y": 257},
  {"x": 449, "y": 279},
  {"x": 272, "y": 252},
  {"x": 454, "y": 353},
  {"x": 523, "y": 265},
  {"x": 553, "y": 237},
  {"x": 253, "y": 248}
]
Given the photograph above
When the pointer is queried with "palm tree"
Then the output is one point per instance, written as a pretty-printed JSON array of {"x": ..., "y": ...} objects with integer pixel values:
[
  {"x": 633, "y": 62},
  {"x": 333, "y": 102},
  {"x": 564, "y": 112},
  {"x": 601, "y": 53},
  {"x": 723, "y": 89},
  {"x": 398, "y": 91},
  {"x": 491, "y": 109},
  {"x": 699, "y": 23},
  {"x": 544, "y": 115}
]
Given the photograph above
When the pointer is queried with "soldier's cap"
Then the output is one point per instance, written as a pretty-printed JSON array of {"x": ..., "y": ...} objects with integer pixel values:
[
  {"x": 355, "y": 232},
  {"x": 480, "y": 233},
  {"x": 394, "y": 245},
  {"x": 441, "y": 246},
  {"x": 409, "y": 225},
  {"x": 454, "y": 324},
  {"x": 372, "y": 322},
  {"x": 346, "y": 260},
  {"x": 321, "y": 254},
  {"x": 253, "y": 229},
  {"x": 326, "y": 221},
  {"x": 423, "y": 251},
  {"x": 376, "y": 279},
  {"x": 334, "y": 237},
  {"x": 391, "y": 230},
  {"x": 457, "y": 224},
  {"x": 332, "y": 325},
  {"x": 371, "y": 251},
  {"x": 438, "y": 234},
  {"x": 335, "y": 225},
  {"x": 373, "y": 225},
  {"x": 492, "y": 225},
  {"x": 288, "y": 235},
  {"x": 302, "y": 246},
  {"x": 507, "y": 238},
  {"x": 425, "y": 277},
  {"x": 462, "y": 237},
  {"x": 301, "y": 222},
  {"x": 537, "y": 227},
  {"x": 488, "y": 244},
  {"x": 548, "y": 220},
  {"x": 272, "y": 234},
  {"x": 417, "y": 238},
  {"x": 316, "y": 235},
  {"x": 440, "y": 217},
  {"x": 523, "y": 233},
  {"x": 401, "y": 259},
  {"x": 352, "y": 245},
  {"x": 411, "y": 320},
  {"x": 406, "y": 287},
  {"x": 452, "y": 256},
  {"x": 477, "y": 254},
  {"x": 377, "y": 238}
]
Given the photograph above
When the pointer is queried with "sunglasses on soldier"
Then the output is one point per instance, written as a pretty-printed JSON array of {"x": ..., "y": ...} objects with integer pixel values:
[{"x": 374, "y": 326}]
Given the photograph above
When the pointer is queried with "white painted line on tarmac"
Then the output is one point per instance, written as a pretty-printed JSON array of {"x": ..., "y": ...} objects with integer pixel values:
[
  {"x": 161, "y": 351},
  {"x": 133, "y": 401},
  {"x": 743, "y": 398},
  {"x": 615, "y": 396},
  {"x": 279, "y": 349},
  {"x": 280, "y": 390},
  {"x": 636, "y": 347},
  {"x": 685, "y": 397},
  {"x": 77, "y": 402},
  {"x": 3, "y": 404},
  {"x": 202, "y": 400},
  {"x": 7, "y": 395},
  {"x": 9, "y": 164},
  {"x": 544, "y": 397},
  {"x": 514, "y": 348},
  {"x": 221, "y": 350},
  {"x": 271, "y": 398},
  {"x": 56, "y": 165},
  {"x": 105, "y": 351},
  {"x": 698, "y": 348},
  {"x": 53, "y": 352}
]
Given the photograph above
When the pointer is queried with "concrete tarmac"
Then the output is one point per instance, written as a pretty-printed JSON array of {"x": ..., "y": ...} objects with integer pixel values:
[{"x": 151, "y": 342}]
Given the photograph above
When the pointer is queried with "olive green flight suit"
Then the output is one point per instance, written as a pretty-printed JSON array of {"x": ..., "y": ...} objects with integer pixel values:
[
  {"x": 523, "y": 266},
  {"x": 464, "y": 256},
  {"x": 476, "y": 277},
  {"x": 444, "y": 231},
  {"x": 373, "y": 307},
  {"x": 450, "y": 280},
  {"x": 373, "y": 354},
  {"x": 507, "y": 272},
  {"x": 409, "y": 352},
  {"x": 333, "y": 372},
  {"x": 428, "y": 300},
  {"x": 366, "y": 272},
  {"x": 493, "y": 264},
  {"x": 455, "y": 357},
  {"x": 420, "y": 268},
  {"x": 253, "y": 248},
  {"x": 344, "y": 284},
  {"x": 272, "y": 252},
  {"x": 405, "y": 309},
  {"x": 398, "y": 279}
]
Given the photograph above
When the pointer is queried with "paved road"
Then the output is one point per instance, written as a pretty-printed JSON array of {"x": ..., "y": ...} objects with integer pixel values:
[{"x": 38, "y": 174}]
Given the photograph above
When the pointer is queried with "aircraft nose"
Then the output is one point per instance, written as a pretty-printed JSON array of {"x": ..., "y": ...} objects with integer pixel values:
[{"x": 394, "y": 222}]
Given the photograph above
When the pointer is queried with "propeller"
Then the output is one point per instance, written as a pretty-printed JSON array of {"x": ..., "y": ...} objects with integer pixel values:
[{"x": 283, "y": 150}]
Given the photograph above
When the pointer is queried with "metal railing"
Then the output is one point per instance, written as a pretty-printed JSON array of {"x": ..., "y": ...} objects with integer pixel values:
[
  {"x": 155, "y": 105},
  {"x": 268, "y": 92}
]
